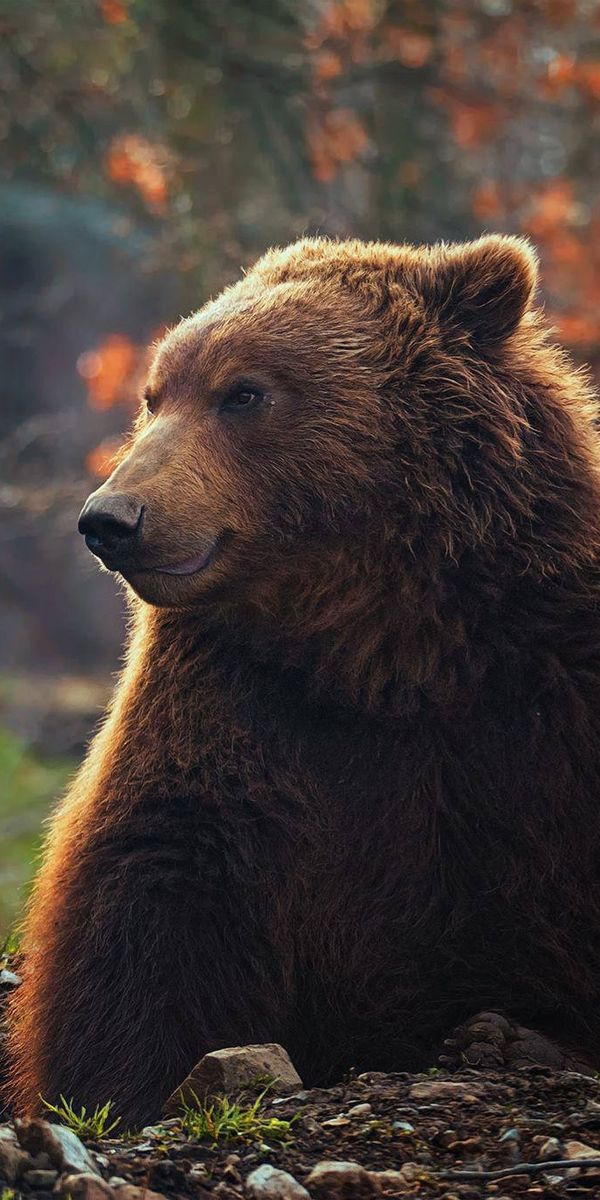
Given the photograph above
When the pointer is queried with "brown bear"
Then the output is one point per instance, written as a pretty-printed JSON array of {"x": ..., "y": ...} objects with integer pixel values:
[{"x": 348, "y": 791}]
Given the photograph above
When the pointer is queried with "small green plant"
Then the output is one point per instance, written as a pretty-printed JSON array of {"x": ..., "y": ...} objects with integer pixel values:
[
  {"x": 228, "y": 1120},
  {"x": 9, "y": 948},
  {"x": 7, "y": 1194},
  {"x": 93, "y": 1125}
]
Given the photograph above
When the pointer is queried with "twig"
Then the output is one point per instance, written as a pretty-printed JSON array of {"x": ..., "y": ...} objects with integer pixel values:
[{"x": 523, "y": 1169}]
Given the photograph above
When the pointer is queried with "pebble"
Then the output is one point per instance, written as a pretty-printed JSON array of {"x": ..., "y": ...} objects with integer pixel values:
[
  {"x": 128, "y": 1191},
  {"x": 83, "y": 1187},
  {"x": 575, "y": 1149},
  {"x": 38, "y": 1178},
  {"x": 408, "y": 1175},
  {"x": 443, "y": 1089},
  {"x": 225, "y": 1072},
  {"x": 269, "y": 1183},
  {"x": 403, "y": 1127},
  {"x": 116, "y": 1181},
  {"x": 9, "y": 980},
  {"x": 549, "y": 1148},
  {"x": 335, "y": 1121},
  {"x": 359, "y": 1110},
  {"x": 198, "y": 1171},
  {"x": 510, "y": 1135},
  {"x": 340, "y": 1181}
]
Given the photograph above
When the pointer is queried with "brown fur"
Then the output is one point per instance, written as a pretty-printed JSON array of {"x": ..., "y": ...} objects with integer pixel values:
[{"x": 347, "y": 792}]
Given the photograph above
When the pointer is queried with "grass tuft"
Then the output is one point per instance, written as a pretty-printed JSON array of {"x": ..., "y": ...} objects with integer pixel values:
[
  {"x": 92, "y": 1126},
  {"x": 226, "y": 1120},
  {"x": 10, "y": 947}
]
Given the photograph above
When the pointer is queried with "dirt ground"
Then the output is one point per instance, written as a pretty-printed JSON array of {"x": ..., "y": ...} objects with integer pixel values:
[{"x": 430, "y": 1128}]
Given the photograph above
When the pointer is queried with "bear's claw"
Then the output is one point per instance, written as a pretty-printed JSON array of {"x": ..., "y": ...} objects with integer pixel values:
[{"x": 493, "y": 1042}]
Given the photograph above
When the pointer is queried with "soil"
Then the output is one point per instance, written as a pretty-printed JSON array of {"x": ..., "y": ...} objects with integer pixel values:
[{"x": 490, "y": 1122}]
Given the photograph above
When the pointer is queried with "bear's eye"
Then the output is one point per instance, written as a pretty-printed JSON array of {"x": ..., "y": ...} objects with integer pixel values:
[
  {"x": 242, "y": 398},
  {"x": 150, "y": 400}
]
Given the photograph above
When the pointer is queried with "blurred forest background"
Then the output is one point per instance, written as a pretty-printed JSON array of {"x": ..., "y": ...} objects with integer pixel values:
[{"x": 149, "y": 149}]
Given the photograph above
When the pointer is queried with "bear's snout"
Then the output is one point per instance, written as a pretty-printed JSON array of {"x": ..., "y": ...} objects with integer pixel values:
[{"x": 110, "y": 523}]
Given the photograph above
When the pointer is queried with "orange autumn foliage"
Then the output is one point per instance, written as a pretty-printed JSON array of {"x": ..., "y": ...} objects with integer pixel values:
[
  {"x": 108, "y": 370},
  {"x": 113, "y": 11},
  {"x": 410, "y": 47},
  {"x": 132, "y": 159},
  {"x": 337, "y": 137}
]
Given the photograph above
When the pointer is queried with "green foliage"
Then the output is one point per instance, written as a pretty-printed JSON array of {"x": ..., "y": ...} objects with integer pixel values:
[
  {"x": 226, "y": 1120},
  {"x": 10, "y": 946},
  {"x": 29, "y": 786},
  {"x": 93, "y": 1125},
  {"x": 8, "y": 1194}
]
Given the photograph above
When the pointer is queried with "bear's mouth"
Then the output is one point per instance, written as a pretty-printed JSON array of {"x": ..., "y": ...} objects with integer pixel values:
[
  {"x": 183, "y": 569},
  {"x": 190, "y": 567}
]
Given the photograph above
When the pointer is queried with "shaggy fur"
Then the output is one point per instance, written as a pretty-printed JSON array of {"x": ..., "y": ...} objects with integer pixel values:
[{"x": 347, "y": 793}]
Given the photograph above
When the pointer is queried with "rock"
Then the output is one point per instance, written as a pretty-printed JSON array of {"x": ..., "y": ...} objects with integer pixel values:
[
  {"x": 116, "y": 1181},
  {"x": 83, "y": 1186},
  {"x": 269, "y": 1183},
  {"x": 63, "y": 1147},
  {"x": 397, "y": 1180},
  {"x": 13, "y": 1160},
  {"x": 409, "y": 1173},
  {"x": 40, "y": 1178},
  {"x": 359, "y": 1110},
  {"x": 225, "y": 1072},
  {"x": 41, "y": 1162},
  {"x": 128, "y": 1191},
  {"x": 575, "y": 1149},
  {"x": 550, "y": 1148},
  {"x": 333, "y": 1122},
  {"x": 8, "y": 980},
  {"x": 443, "y": 1089},
  {"x": 341, "y": 1181}
]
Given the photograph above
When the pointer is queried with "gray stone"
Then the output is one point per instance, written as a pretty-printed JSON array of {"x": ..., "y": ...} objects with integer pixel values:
[
  {"x": 269, "y": 1183},
  {"x": 64, "y": 1149},
  {"x": 229, "y": 1071},
  {"x": 341, "y": 1181},
  {"x": 39, "y": 1178},
  {"x": 8, "y": 980},
  {"x": 13, "y": 1160}
]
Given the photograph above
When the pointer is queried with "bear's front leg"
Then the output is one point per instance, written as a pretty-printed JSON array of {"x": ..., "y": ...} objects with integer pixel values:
[{"x": 149, "y": 941}]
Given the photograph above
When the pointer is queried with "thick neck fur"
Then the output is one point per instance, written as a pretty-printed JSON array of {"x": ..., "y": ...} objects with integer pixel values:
[{"x": 434, "y": 596}]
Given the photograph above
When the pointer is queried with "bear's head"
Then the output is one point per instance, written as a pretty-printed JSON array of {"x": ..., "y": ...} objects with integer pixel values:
[{"x": 341, "y": 399}]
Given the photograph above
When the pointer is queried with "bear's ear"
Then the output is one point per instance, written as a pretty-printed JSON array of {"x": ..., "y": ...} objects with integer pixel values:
[{"x": 484, "y": 286}]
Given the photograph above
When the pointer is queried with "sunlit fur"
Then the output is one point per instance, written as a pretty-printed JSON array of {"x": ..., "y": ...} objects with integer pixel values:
[{"x": 347, "y": 793}]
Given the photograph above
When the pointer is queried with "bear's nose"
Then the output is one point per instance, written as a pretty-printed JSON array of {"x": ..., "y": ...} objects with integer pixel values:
[{"x": 109, "y": 522}]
